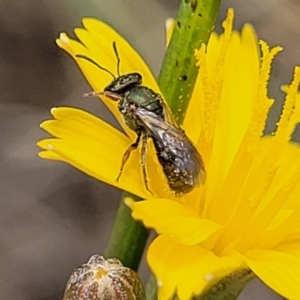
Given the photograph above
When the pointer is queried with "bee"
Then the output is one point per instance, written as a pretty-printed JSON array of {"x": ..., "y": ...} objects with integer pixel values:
[{"x": 146, "y": 113}]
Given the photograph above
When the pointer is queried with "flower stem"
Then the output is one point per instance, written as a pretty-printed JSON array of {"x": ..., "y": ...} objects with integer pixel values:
[
  {"x": 128, "y": 238},
  {"x": 195, "y": 21}
]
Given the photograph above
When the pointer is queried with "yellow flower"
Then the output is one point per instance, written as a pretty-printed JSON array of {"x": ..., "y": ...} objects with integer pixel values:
[{"x": 247, "y": 214}]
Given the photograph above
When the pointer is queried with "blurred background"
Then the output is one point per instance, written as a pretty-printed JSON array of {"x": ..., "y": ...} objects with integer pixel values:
[{"x": 53, "y": 217}]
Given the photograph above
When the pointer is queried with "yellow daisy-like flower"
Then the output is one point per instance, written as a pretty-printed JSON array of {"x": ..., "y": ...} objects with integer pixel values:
[{"x": 247, "y": 214}]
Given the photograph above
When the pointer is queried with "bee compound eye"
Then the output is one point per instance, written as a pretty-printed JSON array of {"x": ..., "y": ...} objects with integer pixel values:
[{"x": 124, "y": 80}]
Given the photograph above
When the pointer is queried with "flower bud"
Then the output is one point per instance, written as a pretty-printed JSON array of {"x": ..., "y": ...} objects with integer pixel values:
[{"x": 104, "y": 279}]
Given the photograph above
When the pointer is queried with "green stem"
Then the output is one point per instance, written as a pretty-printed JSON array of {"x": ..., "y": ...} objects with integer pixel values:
[
  {"x": 128, "y": 238},
  {"x": 195, "y": 21}
]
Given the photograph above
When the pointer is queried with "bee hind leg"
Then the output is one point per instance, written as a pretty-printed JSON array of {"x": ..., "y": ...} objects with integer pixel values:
[
  {"x": 143, "y": 162},
  {"x": 127, "y": 154}
]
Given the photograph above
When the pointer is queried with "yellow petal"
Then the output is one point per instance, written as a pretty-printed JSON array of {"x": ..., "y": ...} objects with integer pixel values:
[
  {"x": 274, "y": 236},
  {"x": 280, "y": 271},
  {"x": 131, "y": 61},
  {"x": 236, "y": 105},
  {"x": 47, "y": 154},
  {"x": 96, "y": 148},
  {"x": 96, "y": 42},
  {"x": 187, "y": 270},
  {"x": 102, "y": 167},
  {"x": 97, "y": 38},
  {"x": 291, "y": 244},
  {"x": 175, "y": 219},
  {"x": 242, "y": 188},
  {"x": 273, "y": 191},
  {"x": 93, "y": 146},
  {"x": 264, "y": 195}
]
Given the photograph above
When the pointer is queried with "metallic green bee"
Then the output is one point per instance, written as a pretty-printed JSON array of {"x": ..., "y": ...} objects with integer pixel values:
[{"x": 146, "y": 113}]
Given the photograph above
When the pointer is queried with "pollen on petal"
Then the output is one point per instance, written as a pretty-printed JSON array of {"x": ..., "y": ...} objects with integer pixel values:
[
  {"x": 291, "y": 110},
  {"x": 209, "y": 277},
  {"x": 53, "y": 109},
  {"x": 64, "y": 38},
  {"x": 240, "y": 152},
  {"x": 50, "y": 147}
]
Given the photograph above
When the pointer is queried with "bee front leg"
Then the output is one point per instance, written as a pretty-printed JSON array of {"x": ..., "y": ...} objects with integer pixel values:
[
  {"x": 127, "y": 154},
  {"x": 144, "y": 161}
]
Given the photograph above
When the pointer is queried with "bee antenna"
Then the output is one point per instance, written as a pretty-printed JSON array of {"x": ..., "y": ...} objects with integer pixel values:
[
  {"x": 118, "y": 57},
  {"x": 96, "y": 64}
]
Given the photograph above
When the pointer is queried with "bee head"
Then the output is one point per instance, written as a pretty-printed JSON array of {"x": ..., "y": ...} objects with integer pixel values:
[{"x": 124, "y": 82}]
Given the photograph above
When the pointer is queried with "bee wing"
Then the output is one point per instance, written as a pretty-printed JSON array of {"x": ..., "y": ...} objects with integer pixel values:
[
  {"x": 168, "y": 114},
  {"x": 174, "y": 141},
  {"x": 158, "y": 127}
]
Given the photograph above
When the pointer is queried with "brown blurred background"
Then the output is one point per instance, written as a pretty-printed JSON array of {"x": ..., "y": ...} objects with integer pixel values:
[{"x": 53, "y": 217}]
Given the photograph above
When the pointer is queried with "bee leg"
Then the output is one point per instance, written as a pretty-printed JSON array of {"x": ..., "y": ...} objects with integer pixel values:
[
  {"x": 93, "y": 94},
  {"x": 144, "y": 160},
  {"x": 127, "y": 154}
]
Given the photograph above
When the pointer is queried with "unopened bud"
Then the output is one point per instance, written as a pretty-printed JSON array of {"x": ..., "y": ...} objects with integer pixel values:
[{"x": 104, "y": 279}]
